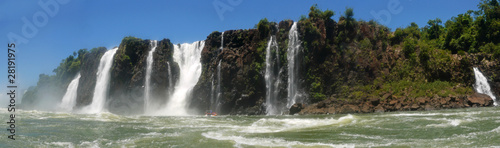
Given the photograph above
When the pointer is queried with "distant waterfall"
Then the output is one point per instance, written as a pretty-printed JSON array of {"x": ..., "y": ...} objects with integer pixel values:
[
  {"x": 102, "y": 83},
  {"x": 293, "y": 65},
  {"x": 69, "y": 99},
  {"x": 188, "y": 57},
  {"x": 482, "y": 85},
  {"x": 272, "y": 77},
  {"x": 149, "y": 68}
]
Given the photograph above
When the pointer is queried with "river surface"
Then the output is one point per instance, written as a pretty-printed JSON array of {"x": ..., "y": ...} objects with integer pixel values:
[{"x": 473, "y": 127}]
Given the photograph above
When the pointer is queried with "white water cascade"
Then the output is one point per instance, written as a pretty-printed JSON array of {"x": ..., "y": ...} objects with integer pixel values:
[
  {"x": 69, "y": 99},
  {"x": 149, "y": 67},
  {"x": 188, "y": 57},
  {"x": 293, "y": 69},
  {"x": 272, "y": 78},
  {"x": 102, "y": 83},
  {"x": 482, "y": 85},
  {"x": 170, "y": 81},
  {"x": 218, "y": 92}
]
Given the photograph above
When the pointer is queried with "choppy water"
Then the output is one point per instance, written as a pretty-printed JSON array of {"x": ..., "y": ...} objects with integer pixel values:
[{"x": 477, "y": 127}]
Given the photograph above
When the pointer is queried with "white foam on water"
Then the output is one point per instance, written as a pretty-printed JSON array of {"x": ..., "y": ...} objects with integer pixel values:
[
  {"x": 267, "y": 142},
  {"x": 271, "y": 125},
  {"x": 90, "y": 144},
  {"x": 448, "y": 123},
  {"x": 61, "y": 144}
]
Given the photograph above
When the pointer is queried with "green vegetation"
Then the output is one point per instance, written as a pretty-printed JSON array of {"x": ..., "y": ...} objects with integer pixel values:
[
  {"x": 355, "y": 59},
  {"x": 315, "y": 12},
  {"x": 131, "y": 47},
  {"x": 264, "y": 27}
]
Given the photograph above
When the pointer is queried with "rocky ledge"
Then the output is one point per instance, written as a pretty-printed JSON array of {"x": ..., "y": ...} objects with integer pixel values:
[{"x": 390, "y": 103}]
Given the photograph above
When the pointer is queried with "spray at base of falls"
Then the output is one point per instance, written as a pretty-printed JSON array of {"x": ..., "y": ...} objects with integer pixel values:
[
  {"x": 149, "y": 68},
  {"x": 188, "y": 57},
  {"x": 482, "y": 85},
  {"x": 69, "y": 99},
  {"x": 102, "y": 83}
]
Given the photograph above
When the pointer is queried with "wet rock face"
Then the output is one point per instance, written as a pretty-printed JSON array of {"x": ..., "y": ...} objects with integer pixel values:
[
  {"x": 479, "y": 100},
  {"x": 242, "y": 81},
  {"x": 242, "y": 72},
  {"x": 88, "y": 77},
  {"x": 126, "y": 90},
  {"x": 296, "y": 108}
]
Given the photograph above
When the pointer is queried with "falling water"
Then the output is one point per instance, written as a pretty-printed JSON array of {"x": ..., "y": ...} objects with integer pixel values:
[
  {"x": 188, "y": 57},
  {"x": 170, "y": 81},
  {"x": 102, "y": 83},
  {"x": 69, "y": 99},
  {"x": 222, "y": 41},
  {"x": 293, "y": 70},
  {"x": 147, "y": 87},
  {"x": 218, "y": 91},
  {"x": 482, "y": 85},
  {"x": 272, "y": 78}
]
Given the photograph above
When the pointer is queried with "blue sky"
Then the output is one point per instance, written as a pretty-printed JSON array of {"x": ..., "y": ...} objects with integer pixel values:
[{"x": 89, "y": 24}]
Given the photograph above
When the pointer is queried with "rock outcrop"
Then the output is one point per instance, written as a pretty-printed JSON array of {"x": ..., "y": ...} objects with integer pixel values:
[
  {"x": 88, "y": 77},
  {"x": 126, "y": 90},
  {"x": 392, "y": 103}
]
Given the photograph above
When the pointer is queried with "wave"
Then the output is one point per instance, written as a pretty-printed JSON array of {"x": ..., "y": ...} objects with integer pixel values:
[{"x": 270, "y": 125}]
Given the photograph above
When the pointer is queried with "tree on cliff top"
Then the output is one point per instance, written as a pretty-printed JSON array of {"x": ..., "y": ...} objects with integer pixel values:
[{"x": 315, "y": 12}]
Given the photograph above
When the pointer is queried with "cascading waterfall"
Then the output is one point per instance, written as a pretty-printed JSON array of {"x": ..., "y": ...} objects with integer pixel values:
[
  {"x": 188, "y": 57},
  {"x": 218, "y": 91},
  {"x": 482, "y": 85},
  {"x": 293, "y": 69},
  {"x": 69, "y": 99},
  {"x": 102, "y": 83},
  {"x": 170, "y": 81},
  {"x": 272, "y": 78},
  {"x": 222, "y": 42},
  {"x": 147, "y": 86}
]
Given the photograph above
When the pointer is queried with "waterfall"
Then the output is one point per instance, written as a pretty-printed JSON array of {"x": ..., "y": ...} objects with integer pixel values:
[
  {"x": 188, "y": 57},
  {"x": 170, "y": 81},
  {"x": 149, "y": 66},
  {"x": 218, "y": 91},
  {"x": 102, "y": 83},
  {"x": 222, "y": 42},
  {"x": 482, "y": 85},
  {"x": 293, "y": 69},
  {"x": 272, "y": 78},
  {"x": 215, "y": 91},
  {"x": 69, "y": 99}
]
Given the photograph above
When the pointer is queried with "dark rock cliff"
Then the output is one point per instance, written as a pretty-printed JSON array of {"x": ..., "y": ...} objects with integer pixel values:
[
  {"x": 87, "y": 81},
  {"x": 126, "y": 90},
  {"x": 242, "y": 73}
]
